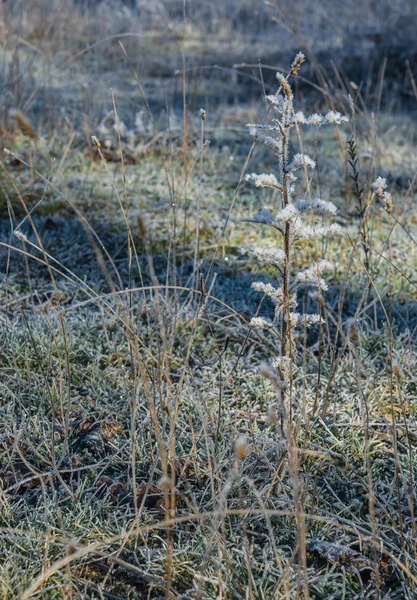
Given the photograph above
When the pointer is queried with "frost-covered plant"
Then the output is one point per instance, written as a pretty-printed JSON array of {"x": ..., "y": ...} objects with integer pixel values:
[{"x": 295, "y": 222}]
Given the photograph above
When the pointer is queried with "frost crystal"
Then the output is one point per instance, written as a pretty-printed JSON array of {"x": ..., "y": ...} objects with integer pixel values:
[
  {"x": 289, "y": 213},
  {"x": 312, "y": 275},
  {"x": 315, "y": 119},
  {"x": 264, "y": 180},
  {"x": 295, "y": 319},
  {"x": 276, "y": 294},
  {"x": 261, "y": 322},
  {"x": 299, "y": 161},
  {"x": 309, "y": 320},
  {"x": 332, "y": 117},
  {"x": 300, "y": 118},
  {"x": 335, "y": 117},
  {"x": 277, "y": 101}
]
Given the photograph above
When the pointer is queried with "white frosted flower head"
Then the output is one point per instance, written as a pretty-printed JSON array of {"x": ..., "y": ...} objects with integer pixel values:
[
  {"x": 300, "y": 161},
  {"x": 289, "y": 213},
  {"x": 270, "y": 141},
  {"x": 261, "y": 323},
  {"x": 315, "y": 119},
  {"x": 277, "y": 101},
  {"x": 300, "y": 118},
  {"x": 276, "y": 294},
  {"x": 256, "y": 132},
  {"x": 379, "y": 186},
  {"x": 271, "y": 256},
  {"x": 312, "y": 275},
  {"x": 309, "y": 320},
  {"x": 293, "y": 319},
  {"x": 334, "y": 117},
  {"x": 332, "y": 228},
  {"x": 319, "y": 268},
  {"x": 263, "y": 180},
  {"x": 318, "y": 205},
  {"x": 301, "y": 231},
  {"x": 253, "y": 131},
  {"x": 306, "y": 232}
]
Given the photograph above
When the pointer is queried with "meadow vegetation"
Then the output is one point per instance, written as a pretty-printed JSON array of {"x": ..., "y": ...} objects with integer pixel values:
[{"x": 166, "y": 431}]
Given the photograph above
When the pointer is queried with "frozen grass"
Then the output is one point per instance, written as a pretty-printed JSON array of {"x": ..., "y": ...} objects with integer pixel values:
[
  {"x": 139, "y": 457},
  {"x": 234, "y": 521}
]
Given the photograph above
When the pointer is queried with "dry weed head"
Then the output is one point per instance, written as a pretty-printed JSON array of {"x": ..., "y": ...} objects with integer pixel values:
[
  {"x": 396, "y": 369},
  {"x": 25, "y": 125}
]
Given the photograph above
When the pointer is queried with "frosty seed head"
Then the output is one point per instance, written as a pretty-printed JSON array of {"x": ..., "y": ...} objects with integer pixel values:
[{"x": 297, "y": 62}]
